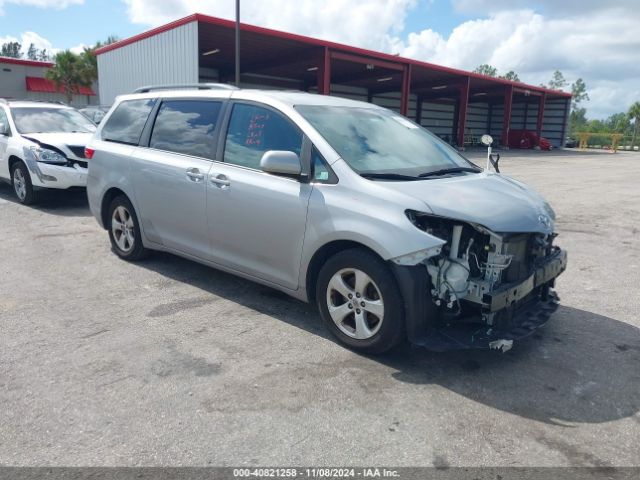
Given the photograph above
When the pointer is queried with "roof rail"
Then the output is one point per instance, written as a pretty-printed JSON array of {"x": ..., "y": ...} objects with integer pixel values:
[{"x": 186, "y": 86}]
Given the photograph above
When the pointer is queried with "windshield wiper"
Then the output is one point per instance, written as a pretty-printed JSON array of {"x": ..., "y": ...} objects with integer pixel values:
[
  {"x": 387, "y": 176},
  {"x": 445, "y": 171}
]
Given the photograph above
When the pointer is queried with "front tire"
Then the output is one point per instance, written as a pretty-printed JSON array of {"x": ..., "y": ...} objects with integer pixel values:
[
  {"x": 124, "y": 230},
  {"x": 360, "y": 302},
  {"x": 21, "y": 183}
]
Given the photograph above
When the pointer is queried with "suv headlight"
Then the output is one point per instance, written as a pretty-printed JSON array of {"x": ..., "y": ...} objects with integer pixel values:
[{"x": 45, "y": 155}]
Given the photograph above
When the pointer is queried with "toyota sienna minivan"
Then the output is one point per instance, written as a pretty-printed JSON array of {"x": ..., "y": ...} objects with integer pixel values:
[{"x": 389, "y": 230}]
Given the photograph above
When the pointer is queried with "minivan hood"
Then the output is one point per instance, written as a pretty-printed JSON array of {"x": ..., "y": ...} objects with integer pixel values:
[{"x": 494, "y": 201}]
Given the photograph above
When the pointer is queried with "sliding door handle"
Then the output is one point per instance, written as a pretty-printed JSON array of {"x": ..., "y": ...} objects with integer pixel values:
[{"x": 220, "y": 180}]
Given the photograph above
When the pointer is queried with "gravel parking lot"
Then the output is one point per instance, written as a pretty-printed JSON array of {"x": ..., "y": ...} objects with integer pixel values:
[{"x": 167, "y": 362}]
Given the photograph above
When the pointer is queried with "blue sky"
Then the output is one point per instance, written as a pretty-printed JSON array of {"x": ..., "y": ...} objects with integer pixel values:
[
  {"x": 96, "y": 20},
  {"x": 594, "y": 40},
  {"x": 77, "y": 24}
]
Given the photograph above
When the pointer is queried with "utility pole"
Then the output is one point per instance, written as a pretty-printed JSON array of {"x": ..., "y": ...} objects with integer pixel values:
[{"x": 237, "y": 43}]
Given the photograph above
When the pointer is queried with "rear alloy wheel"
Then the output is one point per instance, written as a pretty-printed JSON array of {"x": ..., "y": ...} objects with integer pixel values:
[
  {"x": 124, "y": 230},
  {"x": 360, "y": 302},
  {"x": 22, "y": 186}
]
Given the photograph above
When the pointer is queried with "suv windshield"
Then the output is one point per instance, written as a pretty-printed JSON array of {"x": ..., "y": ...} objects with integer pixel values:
[
  {"x": 380, "y": 142},
  {"x": 50, "y": 120}
]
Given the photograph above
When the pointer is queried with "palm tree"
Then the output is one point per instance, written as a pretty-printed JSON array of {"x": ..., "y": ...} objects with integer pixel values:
[
  {"x": 69, "y": 72},
  {"x": 634, "y": 114}
]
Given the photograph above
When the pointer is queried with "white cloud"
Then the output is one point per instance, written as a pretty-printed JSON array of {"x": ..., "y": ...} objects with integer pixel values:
[
  {"x": 39, "y": 42},
  {"x": 602, "y": 49},
  {"x": 549, "y": 7},
  {"x": 27, "y": 38},
  {"x": 365, "y": 23},
  {"x": 79, "y": 48},
  {"x": 57, "y": 4}
]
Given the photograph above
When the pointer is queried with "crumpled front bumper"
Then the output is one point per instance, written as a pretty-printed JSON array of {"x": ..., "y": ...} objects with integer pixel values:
[
  {"x": 506, "y": 295},
  {"x": 521, "y": 308},
  {"x": 526, "y": 320},
  {"x": 58, "y": 176}
]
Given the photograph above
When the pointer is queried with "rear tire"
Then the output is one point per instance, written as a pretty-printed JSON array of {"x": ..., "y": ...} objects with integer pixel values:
[
  {"x": 360, "y": 302},
  {"x": 21, "y": 183},
  {"x": 124, "y": 230}
]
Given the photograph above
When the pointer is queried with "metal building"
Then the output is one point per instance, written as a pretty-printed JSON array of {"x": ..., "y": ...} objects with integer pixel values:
[
  {"x": 459, "y": 106},
  {"x": 25, "y": 80}
]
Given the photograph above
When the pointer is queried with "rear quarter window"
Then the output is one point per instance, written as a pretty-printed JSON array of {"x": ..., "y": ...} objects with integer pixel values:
[
  {"x": 187, "y": 127},
  {"x": 126, "y": 123}
]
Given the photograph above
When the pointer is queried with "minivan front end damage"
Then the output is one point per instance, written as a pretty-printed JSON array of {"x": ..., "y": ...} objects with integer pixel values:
[{"x": 481, "y": 289}]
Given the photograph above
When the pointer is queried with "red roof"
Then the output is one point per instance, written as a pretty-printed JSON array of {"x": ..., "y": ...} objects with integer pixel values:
[
  {"x": 28, "y": 63},
  {"x": 301, "y": 39},
  {"x": 39, "y": 84}
]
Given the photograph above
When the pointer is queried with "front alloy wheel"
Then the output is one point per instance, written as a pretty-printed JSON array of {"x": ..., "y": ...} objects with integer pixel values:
[
  {"x": 360, "y": 302},
  {"x": 22, "y": 185},
  {"x": 355, "y": 303}
]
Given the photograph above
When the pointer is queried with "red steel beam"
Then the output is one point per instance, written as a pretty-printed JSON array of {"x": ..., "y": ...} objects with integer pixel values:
[
  {"x": 324, "y": 73},
  {"x": 462, "y": 111},
  {"x": 506, "y": 119},
  {"x": 376, "y": 62},
  {"x": 541, "y": 102},
  {"x": 406, "y": 90},
  {"x": 567, "y": 107}
]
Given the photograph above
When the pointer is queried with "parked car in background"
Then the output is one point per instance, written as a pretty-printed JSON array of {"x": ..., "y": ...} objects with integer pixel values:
[
  {"x": 389, "y": 230},
  {"x": 95, "y": 113},
  {"x": 570, "y": 142},
  {"x": 42, "y": 146}
]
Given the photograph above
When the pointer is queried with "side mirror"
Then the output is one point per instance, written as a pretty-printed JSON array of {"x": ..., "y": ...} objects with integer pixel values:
[{"x": 280, "y": 162}]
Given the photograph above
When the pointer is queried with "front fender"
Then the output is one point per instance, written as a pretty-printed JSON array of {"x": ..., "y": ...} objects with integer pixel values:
[{"x": 382, "y": 226}]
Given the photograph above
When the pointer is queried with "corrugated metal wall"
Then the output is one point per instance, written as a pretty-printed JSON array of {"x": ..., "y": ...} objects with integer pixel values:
[
  {"x": 525, "y": 117},
  {"x": 166, "y": 58},
  {"x": 554, "y": 120},
  {"x": 439, "y": 118}
]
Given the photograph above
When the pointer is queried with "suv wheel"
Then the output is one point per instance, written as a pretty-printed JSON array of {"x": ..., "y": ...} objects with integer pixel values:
[
  {"x": 22, "y": 186},
  {"x": 360, "y": 302},
  {"x": 124, "y": 230}
]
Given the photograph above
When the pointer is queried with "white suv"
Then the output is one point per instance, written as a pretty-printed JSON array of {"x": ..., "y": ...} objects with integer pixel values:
[{"x": 42, "y": 146}]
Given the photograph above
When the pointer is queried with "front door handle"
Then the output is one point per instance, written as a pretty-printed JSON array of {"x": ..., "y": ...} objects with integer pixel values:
[
  {"x": 194, "y": 175},
  {"x": 220, "y": 180}
]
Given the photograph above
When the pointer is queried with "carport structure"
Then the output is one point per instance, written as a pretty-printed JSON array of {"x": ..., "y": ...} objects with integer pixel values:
[{"x": 458, "y": 106}]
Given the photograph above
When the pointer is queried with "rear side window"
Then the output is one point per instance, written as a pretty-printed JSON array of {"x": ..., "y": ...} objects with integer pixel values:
[
  {"x": 254, "y": 130},
  {"x": 186, "y": 126},
  {"x": 127, "y": 121}
]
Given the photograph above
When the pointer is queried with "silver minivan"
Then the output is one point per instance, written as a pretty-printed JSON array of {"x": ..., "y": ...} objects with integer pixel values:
[{"x": 388, "y": 229}]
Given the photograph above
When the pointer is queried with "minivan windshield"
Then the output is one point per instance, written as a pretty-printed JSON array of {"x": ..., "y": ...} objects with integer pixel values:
[
  {"x": 379, "y": 143},
  {"x": 50, "y": 120}
]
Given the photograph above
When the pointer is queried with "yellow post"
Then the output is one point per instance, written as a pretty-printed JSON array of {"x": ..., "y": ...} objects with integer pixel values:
[
  {"x": 615, "y": 139},
  {"x": 584, "y": 138}
]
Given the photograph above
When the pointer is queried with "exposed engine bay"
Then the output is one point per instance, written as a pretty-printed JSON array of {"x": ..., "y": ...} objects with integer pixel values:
[{"x": 482, "y": 276}]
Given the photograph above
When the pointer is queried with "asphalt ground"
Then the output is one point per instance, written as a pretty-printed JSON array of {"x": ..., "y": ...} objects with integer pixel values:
[{"x": 167, "y": 362}]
